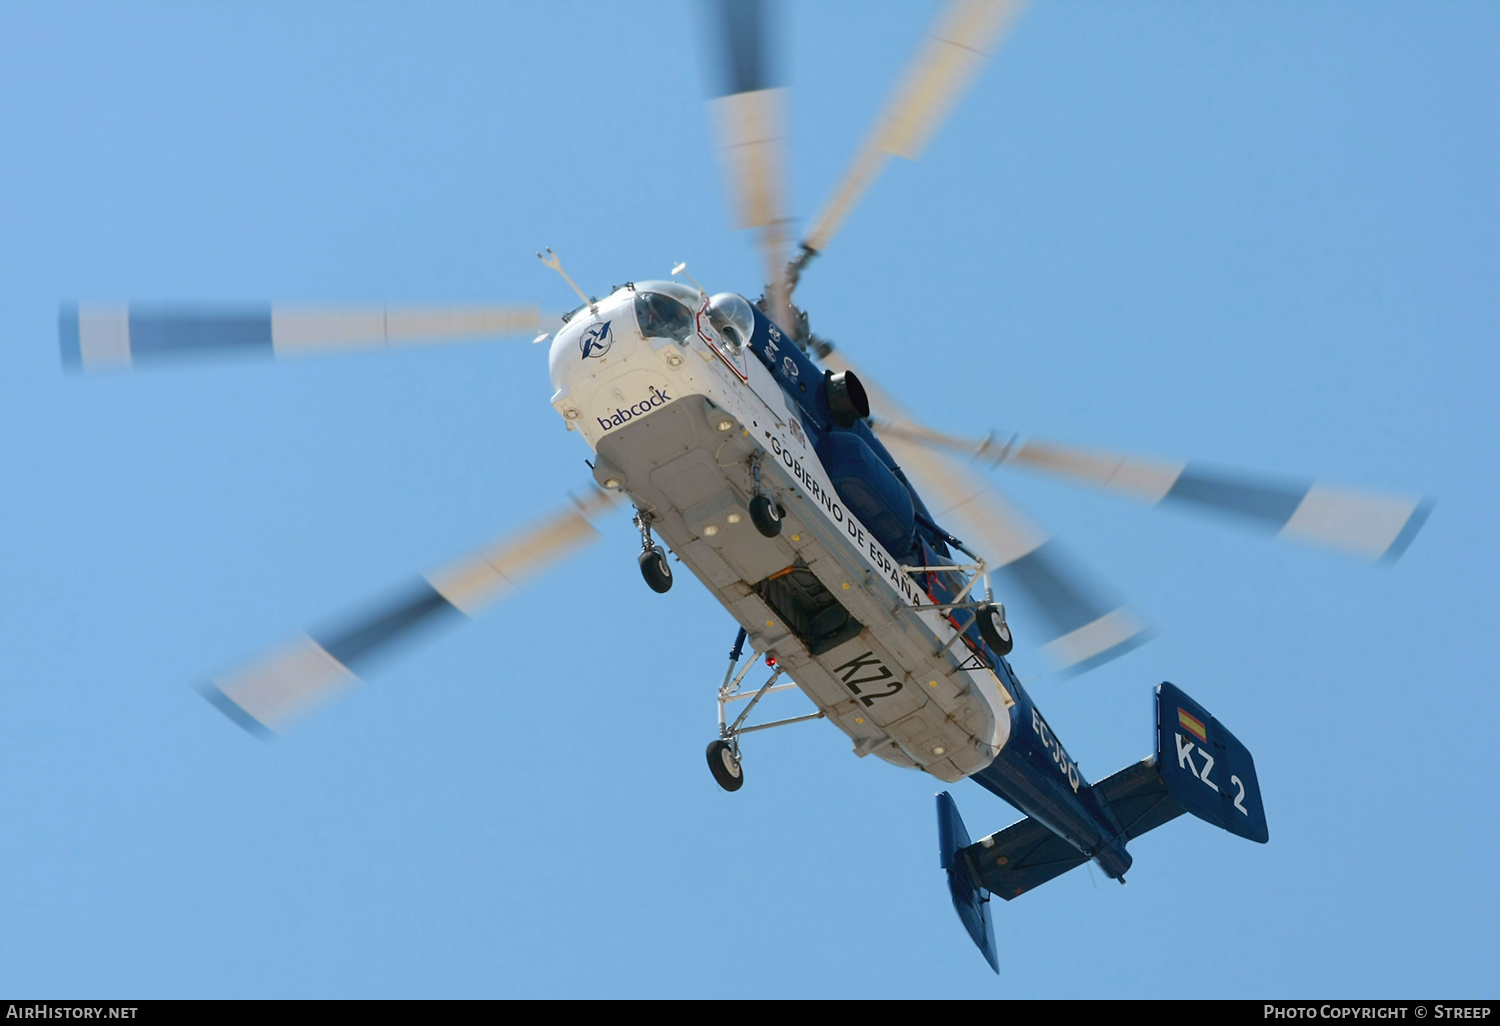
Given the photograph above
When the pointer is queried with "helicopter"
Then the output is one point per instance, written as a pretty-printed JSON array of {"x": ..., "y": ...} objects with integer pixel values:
[{"x": 748, "y": 447}]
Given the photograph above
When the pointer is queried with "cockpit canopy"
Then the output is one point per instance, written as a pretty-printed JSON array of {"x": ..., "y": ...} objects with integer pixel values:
[
  {"x": 664, "y": 309},
  {"x": 732, "y": 318}
]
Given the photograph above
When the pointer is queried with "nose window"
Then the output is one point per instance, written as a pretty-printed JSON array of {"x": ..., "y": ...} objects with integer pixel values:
[{"x": 662, "y": 316}]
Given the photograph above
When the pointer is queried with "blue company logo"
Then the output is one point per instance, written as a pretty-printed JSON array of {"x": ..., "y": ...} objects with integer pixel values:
[
  {"x": 640, "y": 409},
  {"x": 596, "y": 341}
]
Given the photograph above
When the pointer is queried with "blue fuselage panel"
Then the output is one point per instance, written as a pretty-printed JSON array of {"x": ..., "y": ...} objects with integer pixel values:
[{"x": 1035, "y": 774}]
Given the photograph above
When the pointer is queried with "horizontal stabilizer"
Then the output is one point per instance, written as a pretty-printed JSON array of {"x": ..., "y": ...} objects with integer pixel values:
[
  {"x": 1138, "y": 798},
  {"x": 1027, "y": 854},
  {"x": 1022, "y": 856}
]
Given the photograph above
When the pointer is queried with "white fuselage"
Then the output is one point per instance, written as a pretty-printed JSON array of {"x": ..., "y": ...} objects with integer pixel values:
[{"x": 678, "y": 426}]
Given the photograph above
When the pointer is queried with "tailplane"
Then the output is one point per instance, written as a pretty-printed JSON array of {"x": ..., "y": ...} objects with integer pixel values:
[{"x": 1199, "y": 767}]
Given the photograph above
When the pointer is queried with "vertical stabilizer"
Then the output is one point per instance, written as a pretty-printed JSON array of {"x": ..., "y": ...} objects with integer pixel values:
[
  {"x": 1205, "y": 767},
  {"x": 970, "y": 900}
]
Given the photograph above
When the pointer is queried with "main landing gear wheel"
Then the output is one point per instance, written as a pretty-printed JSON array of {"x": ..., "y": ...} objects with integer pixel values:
[
  {"x": 994, "y": 629},
  {"x": 765, "y": 515},
  {"x": 724, "y": 766},
  {"x": 655, "y": 570}
]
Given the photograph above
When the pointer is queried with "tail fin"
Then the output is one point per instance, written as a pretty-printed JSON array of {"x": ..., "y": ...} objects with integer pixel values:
[
  {"x": 1205, "y": 767},
  {"x": 969, "y": 899}
]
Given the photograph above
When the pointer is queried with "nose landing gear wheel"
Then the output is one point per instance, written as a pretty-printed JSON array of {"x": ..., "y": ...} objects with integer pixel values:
[
  {"x": 655, "y": 570},
  {"x": 724, "y": 766},
  {"x": 765, "y": 515},
  {"x": 994, "y": 629}
]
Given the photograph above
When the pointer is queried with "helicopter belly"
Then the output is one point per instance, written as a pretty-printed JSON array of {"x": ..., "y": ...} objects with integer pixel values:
[{"x": 822, "y": 597}]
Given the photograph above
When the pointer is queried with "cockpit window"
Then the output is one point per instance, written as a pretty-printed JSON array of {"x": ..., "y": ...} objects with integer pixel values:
[
  {"x": 732, "y": 318},
  {"x": 662, "y": 316}
]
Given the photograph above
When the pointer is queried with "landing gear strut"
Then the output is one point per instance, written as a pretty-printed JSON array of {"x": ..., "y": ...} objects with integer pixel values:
[
  {"x": 764, "y": 513},
  {"x": 653, "y": 558},
  {"x": 724, "y": 754},
  {"x": 989, "y": 615}
]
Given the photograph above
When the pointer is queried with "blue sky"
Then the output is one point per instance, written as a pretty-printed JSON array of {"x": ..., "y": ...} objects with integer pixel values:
[{"x": 1260, "y": 235}]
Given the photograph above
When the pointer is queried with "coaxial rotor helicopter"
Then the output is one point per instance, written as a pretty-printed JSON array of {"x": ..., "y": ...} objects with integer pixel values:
[{"x": 848, "y": 541}]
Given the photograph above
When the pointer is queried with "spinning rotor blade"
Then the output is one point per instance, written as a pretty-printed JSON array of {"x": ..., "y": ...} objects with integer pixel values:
[
  {"x": 1086, "y": 625},
  {"x": 286, "y": 685},
  {"x": 751, "y": 122},
  {"x": 1365, "y": 524},
  {"x": 98, "y": 337},
  {"x": 962, "y": 36}
]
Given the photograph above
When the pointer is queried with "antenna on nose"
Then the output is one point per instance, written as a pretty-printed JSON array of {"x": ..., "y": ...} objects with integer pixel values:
[
  {"x": 553, "y": 262},
  {"x": 682, "y": 270}
]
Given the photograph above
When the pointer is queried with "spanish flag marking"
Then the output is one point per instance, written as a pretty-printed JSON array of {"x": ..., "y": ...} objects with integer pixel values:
[{"x": 1191, "y": 724}]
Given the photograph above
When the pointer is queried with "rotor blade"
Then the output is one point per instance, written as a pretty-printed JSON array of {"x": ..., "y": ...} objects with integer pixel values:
[
  {"x": 1086, "y": 625},
  {"x": 748, "y": 110},
  {"x": 101, "y": 337},
  {"x": 284, "y": 687},
  {"x": 963, "y": 35},
  {"x": 1366, "y": 524}
]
